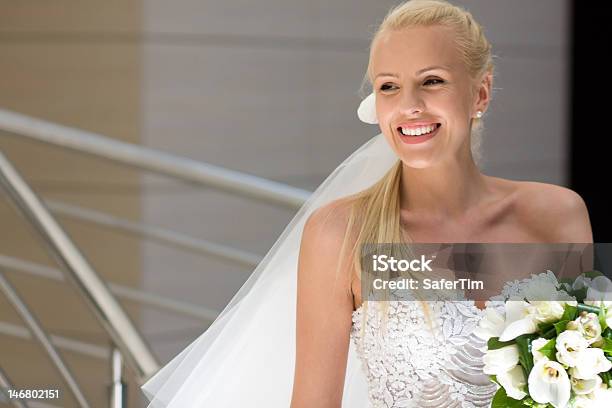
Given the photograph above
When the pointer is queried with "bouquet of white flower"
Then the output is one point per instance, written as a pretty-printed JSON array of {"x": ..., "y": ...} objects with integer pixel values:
[{"x": 554, "y": 352}]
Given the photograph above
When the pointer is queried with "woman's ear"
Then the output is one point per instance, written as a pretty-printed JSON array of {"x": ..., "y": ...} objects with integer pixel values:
[{"x": 483, "y": 93}]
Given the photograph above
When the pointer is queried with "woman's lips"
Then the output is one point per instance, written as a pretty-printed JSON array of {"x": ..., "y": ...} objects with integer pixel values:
[{"x": 418, "y": 139}]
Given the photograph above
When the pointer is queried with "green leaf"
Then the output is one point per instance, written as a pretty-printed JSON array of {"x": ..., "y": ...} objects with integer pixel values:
[
  {"x": 607, "y": 347},
  {"x": 560, "y": 326},
  {"x": 501, "y": 400},
  {"x": 549, "y": 349},
  {"x": 602, "y": 318},
  {"x": 606, "y": 378},
  {"x": 570, "y": 312},
  {"x": 552, "y": 332},
  {"x": 494, "y": 343},
  {"x": 544, "y": 326},
  {"x": 525, "y": 357},
  {"x": 607, "y": 333}
]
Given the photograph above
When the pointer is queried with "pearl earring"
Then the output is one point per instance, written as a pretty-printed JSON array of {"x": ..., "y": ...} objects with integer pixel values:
[{"x": 479, "y": 114}]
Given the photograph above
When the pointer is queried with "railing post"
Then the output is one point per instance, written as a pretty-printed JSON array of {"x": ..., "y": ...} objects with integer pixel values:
[{"x": 118, "y": 388}]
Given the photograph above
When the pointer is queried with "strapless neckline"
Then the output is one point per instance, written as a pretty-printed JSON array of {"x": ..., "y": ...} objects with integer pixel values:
[{"x": 470, "y": 303}]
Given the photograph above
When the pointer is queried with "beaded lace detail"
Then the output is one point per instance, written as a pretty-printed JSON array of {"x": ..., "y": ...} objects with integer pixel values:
[{"x": 409, "y": 365}]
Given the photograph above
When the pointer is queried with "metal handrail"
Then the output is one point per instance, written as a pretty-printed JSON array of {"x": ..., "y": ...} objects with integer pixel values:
[
  {"x": 121, "y": 291},
  {"x": 89, "y": 284},
  {"x": 63, "y": 343},
  {"x": 153, "y": 160},
  {"x": 177, "y": 239},
  {"x": 40, "y": 335}
]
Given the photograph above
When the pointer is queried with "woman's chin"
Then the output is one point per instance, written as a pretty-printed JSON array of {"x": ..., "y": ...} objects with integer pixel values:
[{"x": 416, "y": 163}]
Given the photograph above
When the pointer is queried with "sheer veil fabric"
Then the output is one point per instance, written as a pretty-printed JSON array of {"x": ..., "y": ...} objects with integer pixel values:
[{"x": 247, "y": 356}]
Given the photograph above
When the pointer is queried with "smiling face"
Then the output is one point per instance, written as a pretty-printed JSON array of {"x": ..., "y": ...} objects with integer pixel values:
[{"x": 408, "y": 96}]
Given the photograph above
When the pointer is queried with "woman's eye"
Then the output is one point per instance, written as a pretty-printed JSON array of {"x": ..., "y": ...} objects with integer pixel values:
[{"x": 434, "y": 79}]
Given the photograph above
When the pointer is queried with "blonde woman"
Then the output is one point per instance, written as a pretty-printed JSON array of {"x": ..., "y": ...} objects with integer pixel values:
[
  {"x": 294, "y": 335},
  {"x": 431, "y": 73}
]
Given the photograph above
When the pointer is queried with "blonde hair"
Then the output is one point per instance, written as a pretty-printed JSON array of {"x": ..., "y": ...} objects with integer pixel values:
[
  {"x": 375, "y": 212},
  {"x": 474, "y": 49}
]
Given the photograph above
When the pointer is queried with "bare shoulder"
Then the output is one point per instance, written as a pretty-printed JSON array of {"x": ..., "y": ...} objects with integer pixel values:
[
  {"x": 541, "y": 198},
  {"x": 328, "y": 223},
  {"x": 323, "y": 240},
  {"x": 556, "y": 213}
]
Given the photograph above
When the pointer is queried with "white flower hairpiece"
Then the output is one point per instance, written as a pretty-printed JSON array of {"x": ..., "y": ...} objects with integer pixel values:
[{"x": 367, "y": 110}]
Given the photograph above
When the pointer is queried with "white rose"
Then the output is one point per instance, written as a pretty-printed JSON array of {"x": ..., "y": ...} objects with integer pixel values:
[
  {"x": 549, "y": 383},
  {"x": 570, "y": 345},
  {"x": 591, "y": 362},
  {"x": 589, "y": 327},
  {"x": 582, "y": 387},
  {"x": 547, "y": 311}
]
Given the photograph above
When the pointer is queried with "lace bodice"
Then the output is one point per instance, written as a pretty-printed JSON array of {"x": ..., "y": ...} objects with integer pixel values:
[{"x": 408, "y": 366}]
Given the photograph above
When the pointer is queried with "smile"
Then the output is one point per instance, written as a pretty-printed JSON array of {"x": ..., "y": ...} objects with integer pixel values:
[{"x": 418, "y": 135}]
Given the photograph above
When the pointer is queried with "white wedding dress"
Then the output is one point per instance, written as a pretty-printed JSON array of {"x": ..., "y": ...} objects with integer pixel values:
[
  {"x": 408, "y": 365},
  {"x": 247, "y": 356}
]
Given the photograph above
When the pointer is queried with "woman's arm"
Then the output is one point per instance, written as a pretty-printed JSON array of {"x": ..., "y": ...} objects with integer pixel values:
[{"x": 324, "y": 312}]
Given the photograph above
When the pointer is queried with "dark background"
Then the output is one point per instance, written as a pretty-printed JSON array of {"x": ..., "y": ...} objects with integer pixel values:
[{"x": 589, "y": 128}]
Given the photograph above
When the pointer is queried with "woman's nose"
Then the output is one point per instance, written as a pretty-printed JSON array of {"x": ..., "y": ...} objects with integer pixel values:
[{"x": 411, "y": 103}]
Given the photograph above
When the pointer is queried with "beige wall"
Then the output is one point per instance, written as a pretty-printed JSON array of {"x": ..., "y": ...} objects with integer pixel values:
[{"x": 77, "y": 64}]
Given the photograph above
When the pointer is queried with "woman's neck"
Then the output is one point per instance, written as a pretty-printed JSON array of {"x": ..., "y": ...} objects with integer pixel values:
[{"x": 445, "y": 191}]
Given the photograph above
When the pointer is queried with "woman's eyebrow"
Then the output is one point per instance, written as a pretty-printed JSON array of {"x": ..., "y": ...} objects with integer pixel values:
[
  {"x": 419, "y": 72},
  {"x": 386, "y": 74},
  {"x": 442, "y": 67}
]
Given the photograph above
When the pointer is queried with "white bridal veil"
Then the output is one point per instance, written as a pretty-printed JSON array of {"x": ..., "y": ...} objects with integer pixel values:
[{"x": 247, "y": 356}]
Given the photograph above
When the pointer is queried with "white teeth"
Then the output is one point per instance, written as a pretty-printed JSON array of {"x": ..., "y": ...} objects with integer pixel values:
[{"x": 418, "y": 131}]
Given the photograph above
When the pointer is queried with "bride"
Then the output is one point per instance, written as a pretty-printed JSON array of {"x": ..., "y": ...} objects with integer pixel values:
[{"x": 296, "y": 333}]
